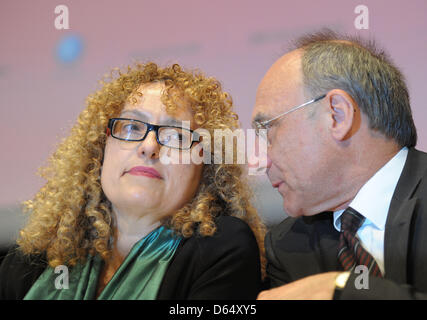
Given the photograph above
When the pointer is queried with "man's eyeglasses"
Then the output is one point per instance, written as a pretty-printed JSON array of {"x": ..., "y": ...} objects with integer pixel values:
[
  {"x": 267, "y": 123},
  {"x": 136, "y": 130}
]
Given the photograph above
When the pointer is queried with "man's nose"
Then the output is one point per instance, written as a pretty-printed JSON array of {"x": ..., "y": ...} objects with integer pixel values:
[
  {"x": 259, "y": 161},
  {"x": 269, "y": 162}
]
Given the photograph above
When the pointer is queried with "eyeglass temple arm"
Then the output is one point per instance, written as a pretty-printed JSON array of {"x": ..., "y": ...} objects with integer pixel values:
[{"x": 293, "y": 109}]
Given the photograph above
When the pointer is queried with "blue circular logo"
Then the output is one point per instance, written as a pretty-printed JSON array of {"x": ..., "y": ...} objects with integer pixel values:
[{"x": 69, "y": 48}]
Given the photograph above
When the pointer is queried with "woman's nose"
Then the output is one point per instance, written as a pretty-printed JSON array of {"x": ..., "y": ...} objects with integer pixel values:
[{"x": 149, "y": 147}]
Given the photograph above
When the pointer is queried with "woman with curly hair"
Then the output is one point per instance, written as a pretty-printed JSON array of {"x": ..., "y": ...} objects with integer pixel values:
[{"x": 115, "y": 220}]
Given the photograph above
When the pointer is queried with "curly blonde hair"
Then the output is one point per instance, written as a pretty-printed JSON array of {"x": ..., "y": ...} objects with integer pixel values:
[{"x": 70, "y": 217}]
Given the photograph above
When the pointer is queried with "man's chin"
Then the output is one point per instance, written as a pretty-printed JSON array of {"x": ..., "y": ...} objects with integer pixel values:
[
  {"x": 296, "y": 209},
  {"x": 293, "y": 202},
  {"x": 291, "y": 211}
]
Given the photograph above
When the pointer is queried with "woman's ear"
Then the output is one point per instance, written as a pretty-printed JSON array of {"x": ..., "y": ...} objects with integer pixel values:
[{"x": 342, "y": 107}]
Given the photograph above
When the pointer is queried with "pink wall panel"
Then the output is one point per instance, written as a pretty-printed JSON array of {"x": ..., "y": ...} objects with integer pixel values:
[{"x": 233, "y": 40}]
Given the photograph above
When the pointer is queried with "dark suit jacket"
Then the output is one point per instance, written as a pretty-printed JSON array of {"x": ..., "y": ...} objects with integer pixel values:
[
  {"x": 224, "y": 266},
  {"x": 299, "y": 247}
]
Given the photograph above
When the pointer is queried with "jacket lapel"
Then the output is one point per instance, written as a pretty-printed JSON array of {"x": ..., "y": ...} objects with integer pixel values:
[
  {"x": 396, "y": 240},
  {"x": 398, "y": 224}
]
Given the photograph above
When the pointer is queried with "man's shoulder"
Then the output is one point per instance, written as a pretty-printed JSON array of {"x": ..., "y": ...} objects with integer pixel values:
[
  {"x": 418, "y": 153},
  {"x": 303, "y": 226},
  {"x": 421, "y": 159},
  {"x": 280, "y": 229},
  {"x": 413, "y": 180},
  {"x": 416, "y": 162},
  {"x": 299, "y": 247}
]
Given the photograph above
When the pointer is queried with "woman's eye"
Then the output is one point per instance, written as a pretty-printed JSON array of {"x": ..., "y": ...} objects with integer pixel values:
[
  {"x": 178, "y": 136},
  {"x": 131, "y": 127},
  {"x": 173, "y": 136}
]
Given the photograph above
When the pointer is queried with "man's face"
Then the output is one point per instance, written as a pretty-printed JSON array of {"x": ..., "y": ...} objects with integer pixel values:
[{"x": 297, "y": 154}]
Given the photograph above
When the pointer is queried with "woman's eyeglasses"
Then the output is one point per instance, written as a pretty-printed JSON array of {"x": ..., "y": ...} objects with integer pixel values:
[{"x": 136, "y": 130}]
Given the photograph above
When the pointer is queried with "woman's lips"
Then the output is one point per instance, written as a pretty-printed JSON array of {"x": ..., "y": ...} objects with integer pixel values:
[{"x": 145, "y": 171}]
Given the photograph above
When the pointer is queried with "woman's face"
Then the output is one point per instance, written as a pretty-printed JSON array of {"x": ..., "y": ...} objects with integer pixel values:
[{"x": 133, "y": 178}]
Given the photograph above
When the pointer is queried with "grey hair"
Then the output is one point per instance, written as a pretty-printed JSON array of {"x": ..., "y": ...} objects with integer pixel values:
[{"x": 335, "y": 61}]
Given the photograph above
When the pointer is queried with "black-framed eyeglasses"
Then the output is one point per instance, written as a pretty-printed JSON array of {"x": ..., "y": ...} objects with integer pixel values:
[{"x": 136, "y": 130}]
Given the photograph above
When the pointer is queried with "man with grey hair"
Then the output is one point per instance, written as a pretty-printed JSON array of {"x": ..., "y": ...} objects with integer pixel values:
[{"x": 341, "y": 139}]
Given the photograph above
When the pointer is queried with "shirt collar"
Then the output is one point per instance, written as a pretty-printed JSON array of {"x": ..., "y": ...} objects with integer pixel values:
[{"x": 374, "y": 198}]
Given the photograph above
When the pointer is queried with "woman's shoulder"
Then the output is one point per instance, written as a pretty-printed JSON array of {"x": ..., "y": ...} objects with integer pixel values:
[
  {"x": 232, "y": 234},
  {"x": 224, "y": 265},
  {"x": 231, "y": 223},
  {"x": 18, "y": 272},
  {"x": 229, "y": 227}
]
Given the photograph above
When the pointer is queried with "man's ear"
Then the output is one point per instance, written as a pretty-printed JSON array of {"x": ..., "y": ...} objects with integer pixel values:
[{"x": 343, "y": 108}]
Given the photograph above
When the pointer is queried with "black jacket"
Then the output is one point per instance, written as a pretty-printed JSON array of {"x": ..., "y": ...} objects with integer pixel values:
[
  {"x": 299, "y": 247},
  {"x": 224, "y": 266}
]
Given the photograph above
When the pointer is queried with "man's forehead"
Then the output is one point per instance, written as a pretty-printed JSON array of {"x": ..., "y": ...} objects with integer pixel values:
[
  {"x": 283, "y": 72},
  {"x": 282, "y": 82},
  {"x": 270, "y": 97}
]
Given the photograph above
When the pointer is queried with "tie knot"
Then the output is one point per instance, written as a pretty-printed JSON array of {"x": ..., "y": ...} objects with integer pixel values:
[{"x": 351, "y": 220}]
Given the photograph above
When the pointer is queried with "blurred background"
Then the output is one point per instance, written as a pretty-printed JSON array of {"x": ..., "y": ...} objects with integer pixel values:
[{"x": 46, "y": 71}]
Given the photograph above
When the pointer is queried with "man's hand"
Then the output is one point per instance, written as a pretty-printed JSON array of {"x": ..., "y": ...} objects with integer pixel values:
[{"x": 318, "y": 287}]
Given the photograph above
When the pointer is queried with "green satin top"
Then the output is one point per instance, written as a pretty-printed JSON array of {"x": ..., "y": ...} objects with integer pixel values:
[{"x": 138, "y": 277}]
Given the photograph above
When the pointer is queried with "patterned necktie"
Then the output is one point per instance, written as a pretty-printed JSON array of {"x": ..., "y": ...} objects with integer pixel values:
[{"x": 350, "y": 251}]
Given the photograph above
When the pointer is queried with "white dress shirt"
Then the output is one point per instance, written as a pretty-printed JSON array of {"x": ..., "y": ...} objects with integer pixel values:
[{"x": 373, "y": 202}]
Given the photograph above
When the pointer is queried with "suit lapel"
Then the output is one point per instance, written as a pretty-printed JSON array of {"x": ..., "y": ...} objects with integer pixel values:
[
  {"x": 396, "y": 240},
  {"x": 402, "y": 207}
]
